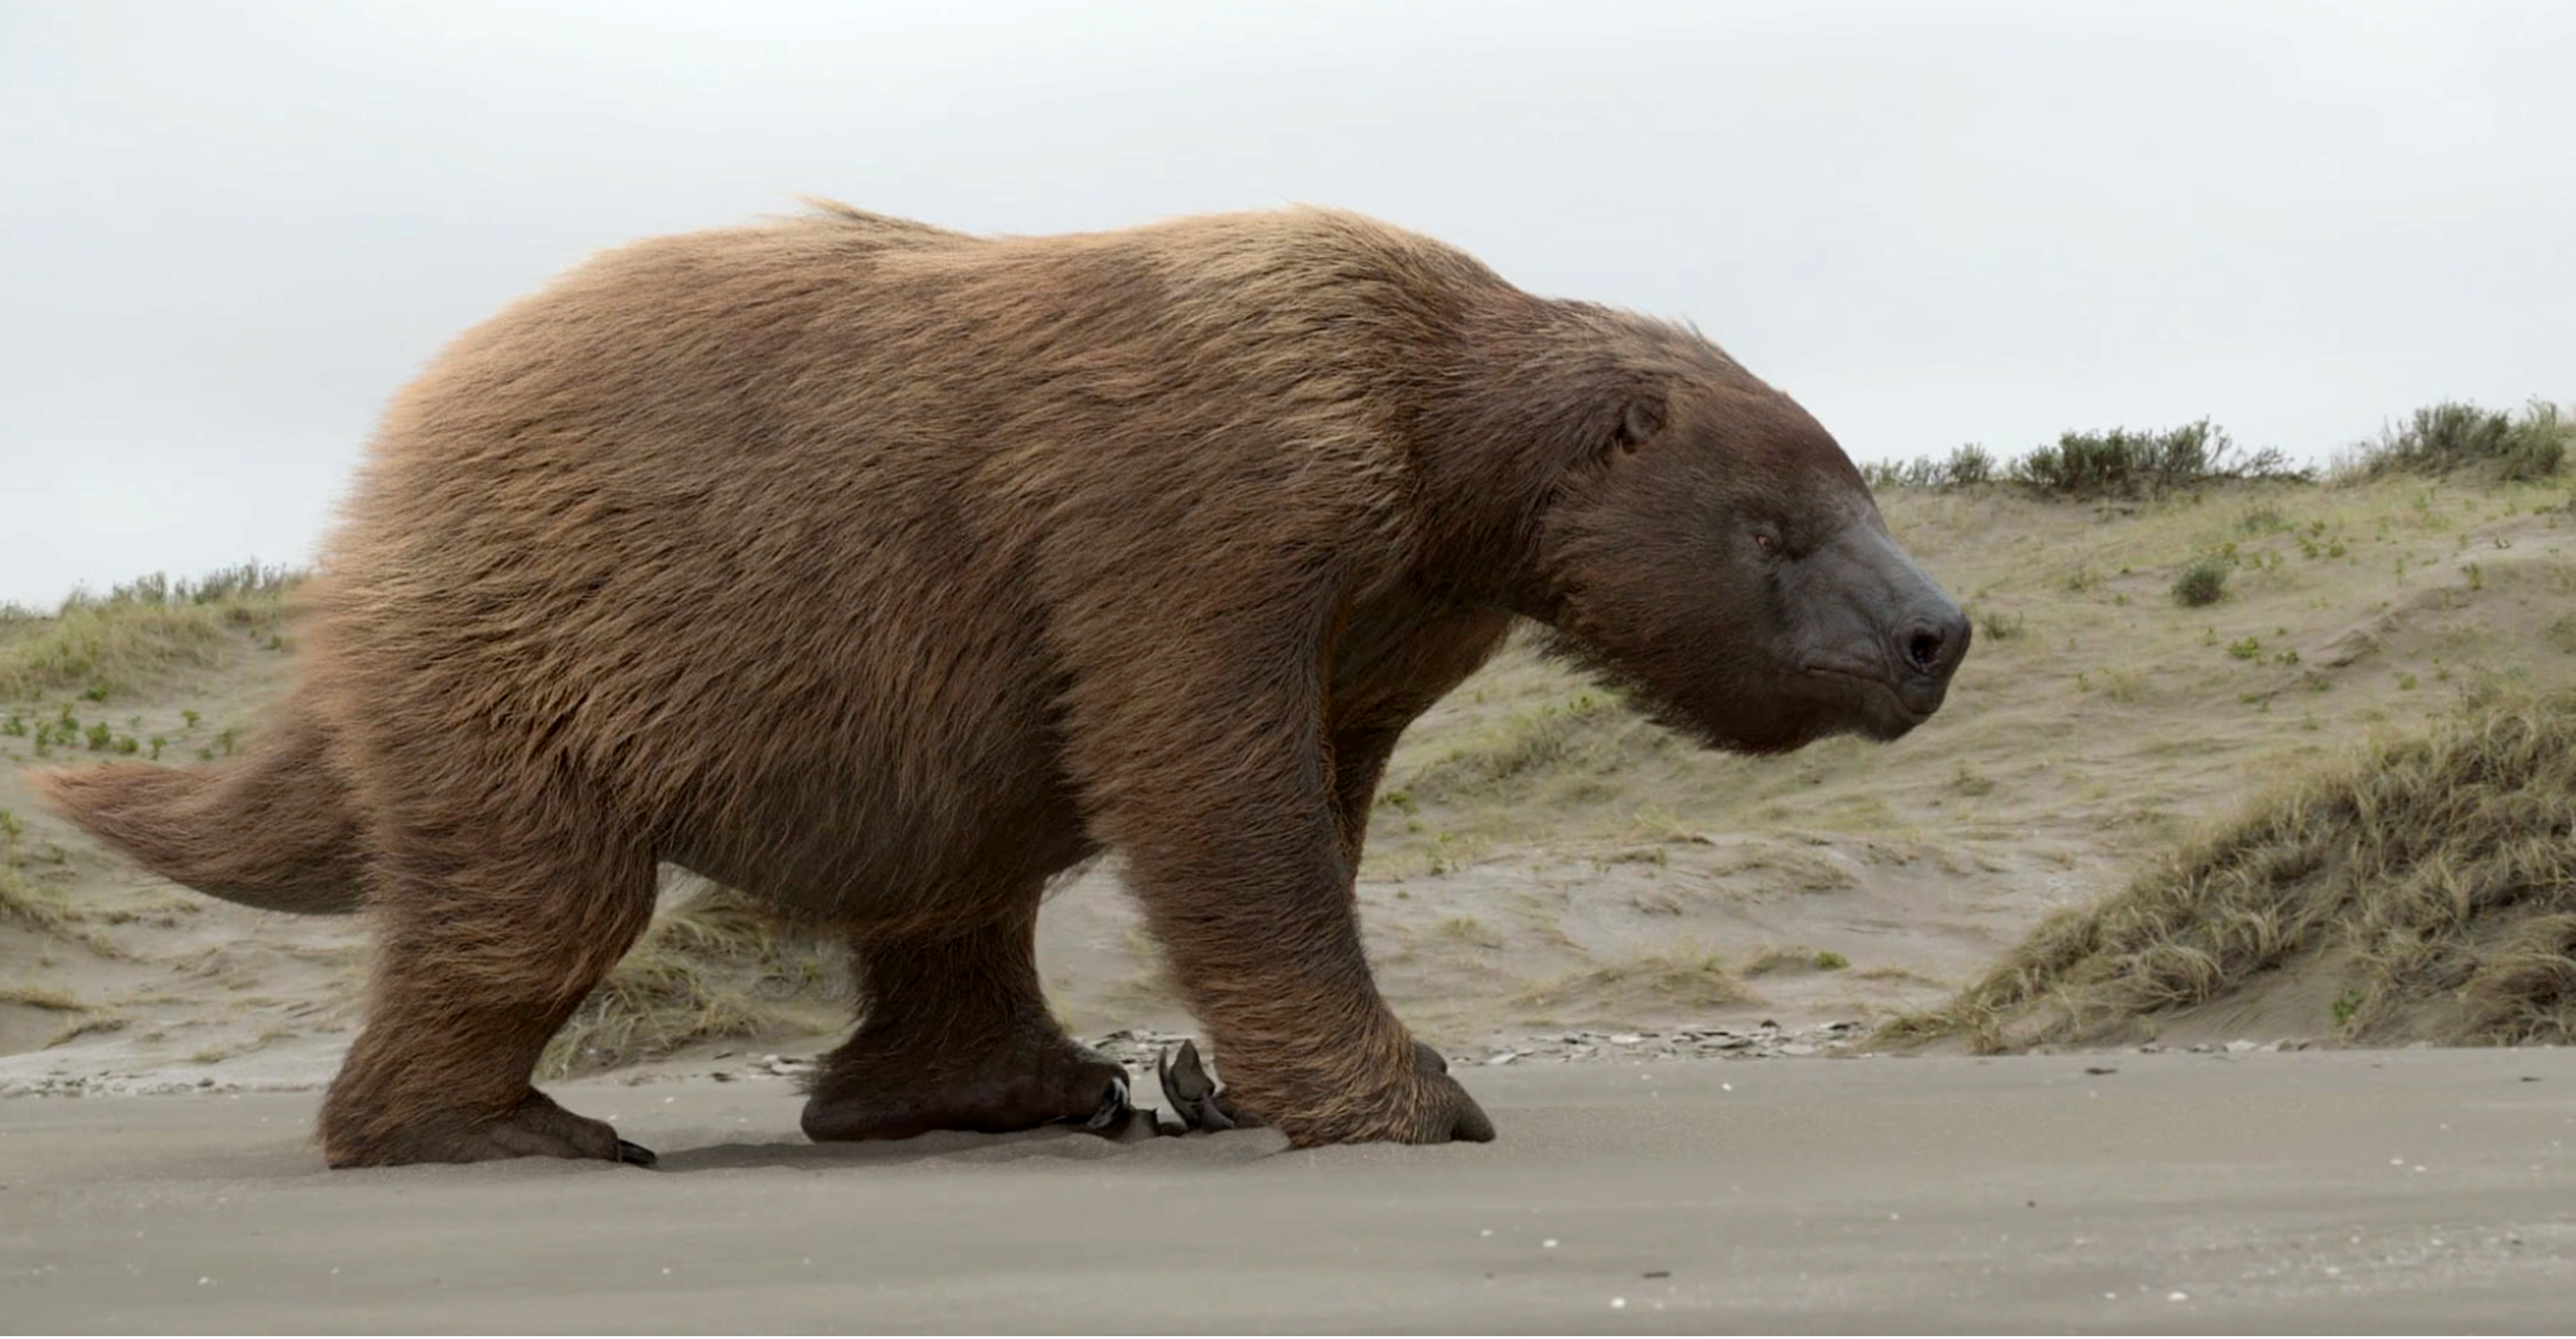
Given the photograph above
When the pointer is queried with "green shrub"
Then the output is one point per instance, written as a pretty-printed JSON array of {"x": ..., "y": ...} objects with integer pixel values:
[
  {"x": 2121, "y": 463},
  {"x": 1969, "y": 465},
  {"x": 1965, "y": 467},
  {"x": 2453, "y": 437},
  {"x": 2203, "y": 582},
  {"x": 2118, "y": 463}
]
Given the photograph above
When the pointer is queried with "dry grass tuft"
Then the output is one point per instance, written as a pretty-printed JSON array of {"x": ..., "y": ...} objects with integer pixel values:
[
  {"x": 2434, "y": 880},
  {"x": 1681, "y": 980},
  {"x": 39, "y": 997},
  {"x": 710, "y": 969},
  {"x": 140, "y": 633},
  {"x": 25, "y": 902},
  {"x": 1590, "y": 732},
  {"x": 1792, "y": 959}
]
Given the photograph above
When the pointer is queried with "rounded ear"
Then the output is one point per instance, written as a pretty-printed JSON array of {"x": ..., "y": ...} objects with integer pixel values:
[{"x": 1641, "y": 418}]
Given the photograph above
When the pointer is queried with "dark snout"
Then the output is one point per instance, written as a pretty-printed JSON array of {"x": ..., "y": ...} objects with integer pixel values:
[
  {"x": 1881, "y": 632},
  {"x": 1930, "y": 640}
]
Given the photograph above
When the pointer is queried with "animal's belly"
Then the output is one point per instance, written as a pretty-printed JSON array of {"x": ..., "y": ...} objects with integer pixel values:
[{"x": 857, "y": 854}]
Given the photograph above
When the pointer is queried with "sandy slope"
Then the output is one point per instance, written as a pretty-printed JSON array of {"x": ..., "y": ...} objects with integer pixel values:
[{"x": 2311, "y": 1190}]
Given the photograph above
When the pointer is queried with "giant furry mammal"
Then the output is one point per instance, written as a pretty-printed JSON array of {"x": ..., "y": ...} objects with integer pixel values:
[{"x": 884, "y": 572}]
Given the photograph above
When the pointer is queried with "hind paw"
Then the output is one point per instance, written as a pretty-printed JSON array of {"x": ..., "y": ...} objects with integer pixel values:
[{"x": 536, "y": 1128}]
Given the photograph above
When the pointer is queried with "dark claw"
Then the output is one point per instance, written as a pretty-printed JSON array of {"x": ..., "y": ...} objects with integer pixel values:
[
  {"x": 635, "y": 1154},
  {"x": 1185, "y": 1080},
  {"x": 1113, "y": 1110},
  {"x": 1192, "y": 1092},
  {"x": 1138, "y": 1124}
]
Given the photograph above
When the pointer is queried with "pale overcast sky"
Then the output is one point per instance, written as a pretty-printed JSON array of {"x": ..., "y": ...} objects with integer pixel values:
[{"x": 229, "y": 232}]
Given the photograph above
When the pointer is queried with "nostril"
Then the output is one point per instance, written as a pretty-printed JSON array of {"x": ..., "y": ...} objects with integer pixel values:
[{"x": 1923, "y": 649}]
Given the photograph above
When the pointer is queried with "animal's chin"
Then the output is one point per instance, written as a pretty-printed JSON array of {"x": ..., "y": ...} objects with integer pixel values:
[
  {"x": 1810, "y": 705},
  {"x": 1758, "y": 724},
  {"x": 1871, "y": 702},
  {"x": 1778, "y": 708}
]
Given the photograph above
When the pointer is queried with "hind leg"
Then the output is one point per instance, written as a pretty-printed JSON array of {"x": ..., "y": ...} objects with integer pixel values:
[
  {"x": 954, "y": 1034},
  {"x": 490, "y": 940}
]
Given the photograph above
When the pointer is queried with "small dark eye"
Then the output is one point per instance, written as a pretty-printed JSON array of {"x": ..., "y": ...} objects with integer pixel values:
[{"x": 1766, "y": 541}]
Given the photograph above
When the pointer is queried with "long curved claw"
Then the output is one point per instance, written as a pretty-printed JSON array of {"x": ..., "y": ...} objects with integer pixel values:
[
  {"x": 635, "y": 1154},
  {"x": 1114, "y": 1108},
  {"x": 1193, "y": 1094}
]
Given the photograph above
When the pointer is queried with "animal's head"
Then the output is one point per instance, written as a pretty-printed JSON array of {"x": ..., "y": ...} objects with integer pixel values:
[{"x": 1714, "y": 550}]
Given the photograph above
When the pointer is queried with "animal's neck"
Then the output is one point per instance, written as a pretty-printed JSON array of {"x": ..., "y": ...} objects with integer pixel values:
[{"x": 1515, "y": 413}]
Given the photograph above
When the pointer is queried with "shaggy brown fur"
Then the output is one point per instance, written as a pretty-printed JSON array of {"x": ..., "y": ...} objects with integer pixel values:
[{"x": 885, "y": 572}]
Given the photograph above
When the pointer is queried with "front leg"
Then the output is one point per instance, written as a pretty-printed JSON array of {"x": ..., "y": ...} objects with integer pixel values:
[{"x": 1208, "y": 768}]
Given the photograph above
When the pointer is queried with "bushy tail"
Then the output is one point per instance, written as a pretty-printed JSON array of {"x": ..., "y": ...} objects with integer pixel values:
[{"x": 270, "y": 830}]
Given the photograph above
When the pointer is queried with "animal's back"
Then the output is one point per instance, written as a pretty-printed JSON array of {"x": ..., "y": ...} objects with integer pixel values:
[{"x": 765, "y": 530}]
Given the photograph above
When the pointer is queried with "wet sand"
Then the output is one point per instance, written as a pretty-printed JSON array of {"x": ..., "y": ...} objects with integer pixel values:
[{"x": 2418, "y": 1189}]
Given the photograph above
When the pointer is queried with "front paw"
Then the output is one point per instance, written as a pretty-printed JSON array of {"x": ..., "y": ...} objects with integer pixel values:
[
  {"x": 1445, "y": 1111},
  {"x": 1422, "y": 1106}
]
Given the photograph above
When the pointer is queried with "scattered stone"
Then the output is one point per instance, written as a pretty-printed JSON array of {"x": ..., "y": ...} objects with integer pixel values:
[
  {"x": 1138, "y": 1048},
  {"x": 1581, "y": 1045}
]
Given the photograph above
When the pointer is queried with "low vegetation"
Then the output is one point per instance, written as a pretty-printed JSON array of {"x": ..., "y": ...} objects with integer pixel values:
[
  {"x": 2424, "y": 890},
  {"x": 28, "y": 903},
  {"x": 2437, "y": 441},
  {"x": 2453, "y": 438},
  {"x": 709, "y": 969},
  {"x": 1684, "y": 978},
  {"x": 1588, "y": 731},
  {"x": 2119, "y": 463},
  {"x": 140, "y": 633},
  {"x": 2202, "y": 582}
]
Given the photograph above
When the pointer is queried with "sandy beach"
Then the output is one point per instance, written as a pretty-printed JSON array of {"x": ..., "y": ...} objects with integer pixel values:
[{"x": 2418, "y": 1189}]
